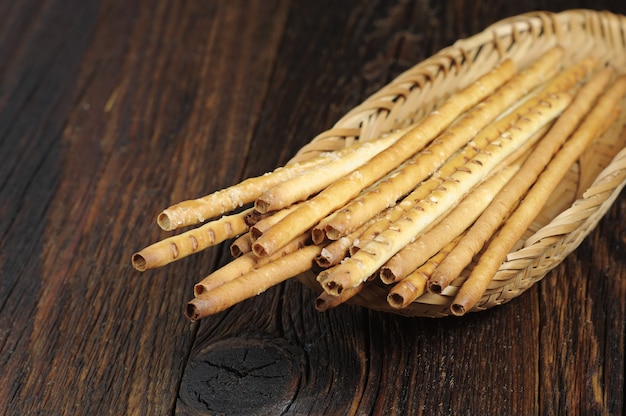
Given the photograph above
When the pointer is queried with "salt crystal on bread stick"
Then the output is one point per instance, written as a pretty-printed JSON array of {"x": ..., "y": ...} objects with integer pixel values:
[
  {"x": 246, "y": 263},
  {"x": 308, "y": 183},
  {"x": 182, "y": 245},
  {"x": 600, "y": 117},
  {"x": 427, "y": 161},
  {"x": 251, "y": 284},
  {"x": 195, "y": 211},
  {"x": 370, "y": 258},
  {"x": 343, "y": 190},
  {"x": 414, "y": 254},
  {"x": 493, "y": 216},
  {"x": 413, "y": 285}
]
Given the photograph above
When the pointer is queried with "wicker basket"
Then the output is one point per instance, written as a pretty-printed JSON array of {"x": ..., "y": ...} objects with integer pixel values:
[{"x": 583, "y": 196}]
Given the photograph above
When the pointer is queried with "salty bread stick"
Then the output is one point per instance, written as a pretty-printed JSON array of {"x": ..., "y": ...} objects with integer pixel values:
[
  {"x": 195, "y": 211},
  {"x": 343, "y": 190},
  {"x": 302, "y": 186},
  {"x": 413, "y": 285},
  {"x": 561, "y": 82},
  {"x": 182, "y": 245},
  {"x": 244, "y": 264},
  {"x": 251, "y": 284},
  {"x": 368, "y": 259},
  {"x": 458, "y": 220},
  {"x": 406, "y": 178},
  {"x": 600, "y": 117},
  {"x": 489, "y": 221},
  {"x": 382, "y": 222}
]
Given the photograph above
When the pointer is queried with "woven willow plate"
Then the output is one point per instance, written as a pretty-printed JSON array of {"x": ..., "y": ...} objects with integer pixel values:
[{"x": 582, "y": 198}]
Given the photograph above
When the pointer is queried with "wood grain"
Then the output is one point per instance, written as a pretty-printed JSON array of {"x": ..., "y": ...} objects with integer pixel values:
[{"x": 110, "y": 111}]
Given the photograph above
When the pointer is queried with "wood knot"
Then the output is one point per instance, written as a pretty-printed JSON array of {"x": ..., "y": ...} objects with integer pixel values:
[{"x": 240, "y": 376}]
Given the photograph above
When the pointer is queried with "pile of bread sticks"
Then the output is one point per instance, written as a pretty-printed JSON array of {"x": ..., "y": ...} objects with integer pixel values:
[{"x": 411, "y": 210}]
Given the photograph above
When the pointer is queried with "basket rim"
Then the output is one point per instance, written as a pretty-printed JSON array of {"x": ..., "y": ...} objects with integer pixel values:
[{"x": 540, "y": 23}]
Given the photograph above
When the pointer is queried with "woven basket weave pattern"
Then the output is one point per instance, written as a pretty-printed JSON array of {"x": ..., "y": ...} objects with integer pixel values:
[{"x": 417, "y": 91}]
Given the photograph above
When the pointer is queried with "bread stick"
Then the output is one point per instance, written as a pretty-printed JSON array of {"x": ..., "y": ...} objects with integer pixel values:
[
  {"x": 265, "y": 224},
  {"x": 325, "y": 301},
  {"x": 458, "y": 220},
  {"x": 366, "y": 261},
  {"x": 251, "y": 284},
  {"x": 182, "y": 245},
  {"x": 244, "y": 264},
  {"x": 490, "y": 220},
  {"x": 300, "y": 187},
  {"x": 426, "y": 162},
  {"x": 600, "y": 117},
  {"x": 196, "y": 211},
  {"x": 414, "y": 284},
  {"x": 343, "y": 190}
]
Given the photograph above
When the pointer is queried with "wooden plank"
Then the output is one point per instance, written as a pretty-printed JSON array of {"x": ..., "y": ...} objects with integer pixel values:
[
  {"x": 110, "y": 111},
  {"x": 41, "y": 49},
  {"x": 157, "y": 80}
]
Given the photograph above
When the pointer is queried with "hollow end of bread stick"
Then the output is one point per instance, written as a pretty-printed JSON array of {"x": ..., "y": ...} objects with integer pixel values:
[
  {"x": 262, "y": 249},
  {"x": 396, "y": 300},
  {"x": 324, "y": 259},
  {"x": 139, "y": 262},
  {"x": 387, "y": 275},
  {"x": 457, "y": 309},
  {"x": 255, "y": 233},
  {"x": 262, "y": 205},
  {"x": 318, "y": 235},
  {"x": 156, "y": 255},
  {"x": 325, "y": 302},
  {"x": 199, "y": 289},
  {"x": 333, "y": 288},
  {"x": 241, "y": 246},
  {"x": 163, "y": 221},
  {"x": 335, "y": 284},
  {"x": 254, "y": 216},
  {"x": 405, "y": 292},
  {"x": 192, "y": 310},
  {"x": 333, "y": 253},
  {"x": 335, "y": 231},
  {"x": 206, "y": 305},
  {"x": 235, "y": 251},
  {"x": 435, "y": 287}
]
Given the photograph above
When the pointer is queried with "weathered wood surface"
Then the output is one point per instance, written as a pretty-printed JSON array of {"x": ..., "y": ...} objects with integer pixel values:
[{"x": 110, "y": 111}]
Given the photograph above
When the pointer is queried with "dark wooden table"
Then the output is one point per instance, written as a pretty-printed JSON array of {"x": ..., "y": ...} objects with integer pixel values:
[{"x": 110, "y": 111}]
